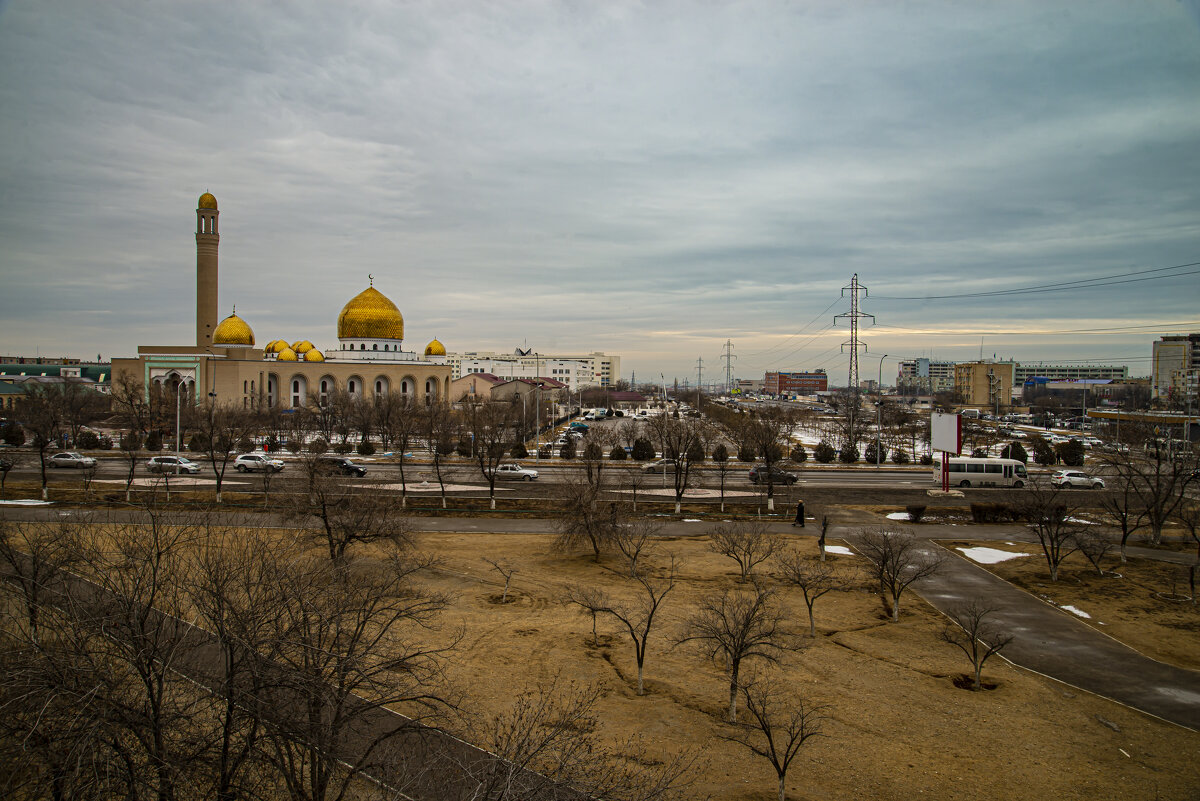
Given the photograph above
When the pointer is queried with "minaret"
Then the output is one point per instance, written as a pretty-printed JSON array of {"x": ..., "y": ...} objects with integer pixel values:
[{"x": 207, "y": 240}]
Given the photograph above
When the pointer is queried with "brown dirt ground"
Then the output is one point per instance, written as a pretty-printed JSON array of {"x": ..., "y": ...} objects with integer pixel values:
[
  {"x": 1142, "y": 603},
  {"x": 899, "y": 728}
]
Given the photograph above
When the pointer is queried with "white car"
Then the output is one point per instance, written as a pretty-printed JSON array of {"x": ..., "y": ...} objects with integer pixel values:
[
  {"x": 256, "y": 462},
  {"x": 171, "y": 464},
  {"x": 514, "y": 472},
  {"x": 71, "y": 459},
  {"x": 1075, "y": 478}
]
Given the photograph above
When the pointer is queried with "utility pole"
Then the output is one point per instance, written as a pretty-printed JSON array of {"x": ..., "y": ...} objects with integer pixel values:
[{"x": 728, "y": 357}]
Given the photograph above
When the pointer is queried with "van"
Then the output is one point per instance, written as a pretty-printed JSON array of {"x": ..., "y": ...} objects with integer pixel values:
[{"x": 970, "y": 414}]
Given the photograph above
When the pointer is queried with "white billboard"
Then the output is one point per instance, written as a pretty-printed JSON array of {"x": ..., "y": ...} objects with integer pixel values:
[{"x": 946, "y": 432}]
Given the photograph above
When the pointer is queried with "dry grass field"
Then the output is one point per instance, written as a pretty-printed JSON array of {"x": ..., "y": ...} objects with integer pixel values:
[{"x": 898, "y": 726}]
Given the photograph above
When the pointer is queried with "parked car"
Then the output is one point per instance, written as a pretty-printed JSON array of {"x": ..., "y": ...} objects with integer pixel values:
[
  {"x": 1075, "y": 478},
  {"x": 171, "y": 464},
  {"x": 514, "y": 472},
  {"x": 580, "y": 426},
  {"x": 256, "y": 462},
  {"x": 330, "y": 465},
  {"x": 71, "y": 459},
  {"x": 778, "y": 475},
  {"x": 661, "y": 466}
]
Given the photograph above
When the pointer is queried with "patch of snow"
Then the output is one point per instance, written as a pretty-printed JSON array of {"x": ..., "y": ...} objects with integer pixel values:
[
  {"x": 1082, "y": 521},
  {"x": 898, "y": 516},
  {"x": 1075, "y": 611},
  {"x": 692, "y": 520},
  {"x": 839, "y": 549},
  {"x": 28, "y": 502},
  {"x": 989, "y": 556}
]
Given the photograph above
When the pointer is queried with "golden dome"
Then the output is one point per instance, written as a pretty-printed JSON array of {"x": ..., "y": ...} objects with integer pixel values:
[
  {"x": 302, "y": 347},
  {"x": 435, "y": 348},
  {"x": 314, "y": 355},
  {"x": 233, "y": 331},
  {"x": 370, "y": 315},
  {"x": 286, "y": 355},
  {"x": 207, "y": 201},
  {"x": 276, "y": 346}
]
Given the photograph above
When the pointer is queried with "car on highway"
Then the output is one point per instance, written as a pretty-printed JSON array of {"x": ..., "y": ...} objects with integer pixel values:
[
  {"x": 1064, "y": 479},
  {"x": 661, "y": 466},
  {"x": 71, "y": 459},
  {"x": 171, "y": 464},
  {"x": 338, "y": 465},
  {"x": 778, "y": 475},
  {"x": 256, "y": 463},
  {"x": 514, "y": 472}
]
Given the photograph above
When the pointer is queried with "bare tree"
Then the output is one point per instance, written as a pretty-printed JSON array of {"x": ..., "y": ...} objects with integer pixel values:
[
  {"x": 678, "y": 437},
  {"x": 350, "y": 642},
  {"x": 976, "y": 635},
  {"x": 721, "y": 460},
  {"x": 1094, "y": 544},
  {"x": 749, "y": 543},
  {"x": 220, "y": 428},
  {"x": 583, "y": 519},
  {"x": 779, "y": 725},
  {"x": 737, "y": 626},
  {"x": 546, "y": 748},
  {"x": 634, "y": 537},
  {"x": 131, "y": 407},
  {"x": 897, "y": 561},
  {"x": 814, "y": 578},
  {"x": 6, "y": 464},
  {"x": 1047, "y": 514},
  {"x": 764, "y": 431},
  {"x": 405, "y": 423},
  {"x": 637, "y": 616},
  {"x": 491, "y": 428},
  {"x": 440, "y": 427},
  {"x": 344, "y": 516},
  {"x": 1122, "y": 506},
  {"x": 42, "y": 410},
  {"x": 1157, "y": 475},
  {"x": 504, "y": 569}
]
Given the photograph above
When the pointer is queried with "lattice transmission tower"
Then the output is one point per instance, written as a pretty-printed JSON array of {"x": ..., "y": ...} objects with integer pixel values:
[
  {"x": 728, "y": 357},
  {"x": 854, "y": 315}
]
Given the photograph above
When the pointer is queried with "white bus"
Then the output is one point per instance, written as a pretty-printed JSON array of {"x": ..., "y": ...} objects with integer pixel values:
[{"x": 966, "y": 471}]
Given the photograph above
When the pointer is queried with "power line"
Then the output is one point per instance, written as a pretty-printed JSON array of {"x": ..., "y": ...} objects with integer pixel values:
[
  {"x": 1062, "y": 286},
  {"x": 1040, "y": 332}
]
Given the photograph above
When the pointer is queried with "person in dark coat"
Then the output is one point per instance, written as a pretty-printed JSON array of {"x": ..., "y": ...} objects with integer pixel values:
[{"x": 799, "y": 514}]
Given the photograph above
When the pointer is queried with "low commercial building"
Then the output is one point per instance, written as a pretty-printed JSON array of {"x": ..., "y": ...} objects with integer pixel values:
[
  {"x": 574, "y": 370},
  {"x": 795, "y": 383},
  {"x": 1054, "y": 371}
]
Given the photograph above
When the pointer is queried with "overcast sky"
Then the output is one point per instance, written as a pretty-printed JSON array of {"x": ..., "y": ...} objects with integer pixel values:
[{"x": 647, "y": 179}]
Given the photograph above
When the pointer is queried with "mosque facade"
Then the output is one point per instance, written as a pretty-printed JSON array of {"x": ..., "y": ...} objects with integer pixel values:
[{"x": 228, "y": 366}]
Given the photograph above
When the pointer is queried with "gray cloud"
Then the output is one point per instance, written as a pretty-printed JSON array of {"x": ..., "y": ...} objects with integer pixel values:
[{"x": 648, "y": 179}]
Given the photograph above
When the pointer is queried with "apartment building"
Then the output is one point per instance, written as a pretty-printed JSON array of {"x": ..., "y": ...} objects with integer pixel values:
[
  {"x": 1175, "y": 370},
  {"x": 924, "y": 377},
  {"x": 986, "y": 384},
  {"x": 575, "y": 371},
  {"x": 793, "y": 383}
]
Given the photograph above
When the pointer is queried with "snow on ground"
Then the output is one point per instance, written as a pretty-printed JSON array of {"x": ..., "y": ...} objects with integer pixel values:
[
  {"x": 1075, "y": 611},
  {"x": 1081, "y": 520},
  {"x": 839, "y": 549},
  {"x": 989, "y": 556},
  {"x": 899, "y": 516},
  {"x": 695, "y": 492},
  {"x": 431, "y": 486},
  {"x": 26, "y": 502}
]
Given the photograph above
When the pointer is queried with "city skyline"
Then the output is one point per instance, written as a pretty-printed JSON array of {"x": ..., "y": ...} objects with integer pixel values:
[{"x": 647, "y": 181}]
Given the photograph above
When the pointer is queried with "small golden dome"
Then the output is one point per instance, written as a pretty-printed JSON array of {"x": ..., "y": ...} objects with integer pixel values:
[
  {"x": 314, "y": 355},
  {"x": 435, "y": 348},
  {"x": 233, "y": 331},
  {"x": 207, "y": 201},
  {"x": 276, "y": 346},
  {"x": 286, "y": 355},
  {"x": 302, "y": 347},
  {"x": 370, "y": 315}
]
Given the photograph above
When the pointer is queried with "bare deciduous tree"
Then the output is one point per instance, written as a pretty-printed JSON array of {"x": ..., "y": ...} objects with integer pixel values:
[
  {"x": 897, "y": 561},
  {"x": 637, "y": 616},
  {"x": 504, "y": 569},
  {"x": 815, "y": 578},
  {"x": 634, "y": 538},
  {"x": 779, "y": 725},
  {"x": 1048, "y": 515},
  {"x": 1094, "y": 544},
  {"x": 737, "y": 626},
  {"x": 345, "y": 516},
  {"x": 973, "y": 633},
  {"x": 582, "y": 518},
  {"x": 749, "y": 543}
]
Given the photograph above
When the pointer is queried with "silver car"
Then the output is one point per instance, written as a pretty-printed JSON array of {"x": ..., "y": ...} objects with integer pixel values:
[
  {"x": 72, "y": 459},
  {"x": 1075, "y": 478},
  {"x": 256, "y": 463},
  {"x": 514, "y": 472},
  {"x": 171, "y": 464}
]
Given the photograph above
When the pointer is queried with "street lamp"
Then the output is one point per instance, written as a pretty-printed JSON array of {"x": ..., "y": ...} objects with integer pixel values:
[{"x": 879, "y": 414}]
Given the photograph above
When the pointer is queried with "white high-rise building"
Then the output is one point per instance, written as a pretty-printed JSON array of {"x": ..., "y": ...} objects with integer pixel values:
[
  {"x": 576, "y": 371},
  {"x": 1176, "y": 368}
]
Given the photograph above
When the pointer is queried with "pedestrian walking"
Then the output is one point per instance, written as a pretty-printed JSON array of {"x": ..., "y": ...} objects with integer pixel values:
[{"x": 799, "y": 514}]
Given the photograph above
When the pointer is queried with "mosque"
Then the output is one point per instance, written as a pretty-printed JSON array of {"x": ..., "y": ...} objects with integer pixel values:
[{"x": 227, "y": 365}]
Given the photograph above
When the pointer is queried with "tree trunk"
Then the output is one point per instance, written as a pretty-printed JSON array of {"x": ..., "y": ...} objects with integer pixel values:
[
  {"x": 895, "y": 608},
  {"x": 733, "y": 688},
  {"x": 978, "y": 682},
  {"x": 782, "y": 789},
  {"x": 640, "y": 692},
  {"x": 678, "y": 506}
]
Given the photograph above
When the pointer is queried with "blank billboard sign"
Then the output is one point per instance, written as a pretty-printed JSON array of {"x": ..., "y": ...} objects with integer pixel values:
[{"x": 946, "y": 432}]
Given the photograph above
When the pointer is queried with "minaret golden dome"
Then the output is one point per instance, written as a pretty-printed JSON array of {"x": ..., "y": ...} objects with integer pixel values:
[
  {"x": 233, "y": 330},
  {"x": 207, "y": 201},
  {"x": 370, "y": 315},
  {"x": 435, "y": 348}
]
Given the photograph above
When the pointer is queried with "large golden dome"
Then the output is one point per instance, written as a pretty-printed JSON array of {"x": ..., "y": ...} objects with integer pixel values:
[
  {"x": 370, "y": 315},
  {"x": 233, "y": 330},
  {"x": 435, "y": 348},
  {"x": 207, "y": 201}
]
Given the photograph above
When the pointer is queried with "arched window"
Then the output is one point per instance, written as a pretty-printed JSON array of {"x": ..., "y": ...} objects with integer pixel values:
[
  {"x": 299, "y": 391},
  {"x": 375, "y": 346},
  {"x": 325, "y": 386},
  {"x": 431, "y": 391},
  {"x": 382, "y": 386},
  {"x": 272, "y": 389},
  {"x": 354, "y": 386}
]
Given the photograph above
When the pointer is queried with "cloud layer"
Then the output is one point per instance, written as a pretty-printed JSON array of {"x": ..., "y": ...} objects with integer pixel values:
[{"x": 645, "y": 179}]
